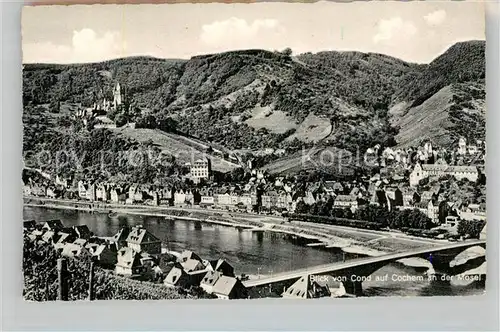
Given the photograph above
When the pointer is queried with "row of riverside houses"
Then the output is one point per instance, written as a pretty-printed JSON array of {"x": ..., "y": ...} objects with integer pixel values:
[
  {"x": 283, "y": 195},
  {"x": 280, "y": 194}
]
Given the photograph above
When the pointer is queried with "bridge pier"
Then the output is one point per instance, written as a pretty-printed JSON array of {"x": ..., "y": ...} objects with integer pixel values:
[{"x": 354, "y": 288}]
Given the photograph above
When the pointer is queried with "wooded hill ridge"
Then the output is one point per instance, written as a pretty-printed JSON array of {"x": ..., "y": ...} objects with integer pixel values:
[{"x": 256, "y": 99}]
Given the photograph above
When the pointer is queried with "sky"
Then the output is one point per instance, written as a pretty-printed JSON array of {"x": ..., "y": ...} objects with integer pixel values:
[{"x": 413, "y": 31}]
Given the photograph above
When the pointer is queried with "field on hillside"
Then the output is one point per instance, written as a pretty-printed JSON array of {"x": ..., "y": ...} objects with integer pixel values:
[
  {"x": 275, "y": 121},
  {"x": 455, "y": 110},
  {"x": 312, "y": 129},
  {"x": 168, "y": 143},
  {"x": 329, "y": 160},
  {"x": 419, "y": 123}
]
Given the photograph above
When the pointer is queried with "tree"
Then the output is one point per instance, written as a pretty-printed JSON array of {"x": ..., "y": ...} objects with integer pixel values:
[
  {"x": 236, "y": 175},
  {"x": 54, "y": 106},
  {"x": 472, "y": 228},
  {"x": 167, "y": 124},
  {"x": 287, "y": 51},
  {"x": 146, "y": 121},
  {"x": 121, "y": 120},
  {"x": 301, "y": 208}
]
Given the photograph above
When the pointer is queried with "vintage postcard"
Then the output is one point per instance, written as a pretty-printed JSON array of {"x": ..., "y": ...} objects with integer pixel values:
[{"x": 244, "y": 151}]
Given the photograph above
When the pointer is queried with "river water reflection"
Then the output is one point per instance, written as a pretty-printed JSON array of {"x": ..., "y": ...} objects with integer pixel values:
[{"x": 248, "y": 252}]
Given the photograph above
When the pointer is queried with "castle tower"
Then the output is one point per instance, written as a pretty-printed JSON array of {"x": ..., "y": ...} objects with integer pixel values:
[
  {"x": 117, "y": 95},
  {"x": 462, "y": 146}
]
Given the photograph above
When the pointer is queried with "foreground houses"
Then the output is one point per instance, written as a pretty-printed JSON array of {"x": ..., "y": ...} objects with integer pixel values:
[
  {"x": 73, "y": 250},
  {"x": 53, "y": 225},
  {"x": 214, "y": 277}
]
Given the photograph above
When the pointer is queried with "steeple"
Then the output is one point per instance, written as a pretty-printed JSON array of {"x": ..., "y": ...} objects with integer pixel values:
[{"x": 117, "y": 96}]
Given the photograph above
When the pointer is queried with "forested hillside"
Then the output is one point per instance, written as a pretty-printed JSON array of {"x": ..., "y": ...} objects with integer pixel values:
[{"x": 255, "y": 99}]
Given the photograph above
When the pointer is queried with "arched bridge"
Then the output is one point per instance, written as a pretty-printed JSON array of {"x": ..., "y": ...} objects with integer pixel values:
[{"x": 440, "y": 257}]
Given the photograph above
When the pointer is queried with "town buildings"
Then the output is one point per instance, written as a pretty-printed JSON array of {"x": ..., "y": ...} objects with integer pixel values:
[
  {"x": 423, "y": 171},
  {"x": 200, "y": 170}
]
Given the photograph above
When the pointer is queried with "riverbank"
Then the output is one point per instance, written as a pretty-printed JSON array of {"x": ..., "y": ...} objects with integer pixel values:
[{"x": 350, "y": 240}]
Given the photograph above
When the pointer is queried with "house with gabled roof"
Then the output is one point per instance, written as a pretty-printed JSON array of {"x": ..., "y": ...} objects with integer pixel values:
[
  {"x": 53, "y": 225},
  {"x": 81, "y": 242},
  {"x": 309, "y": 198},
  {"x": 221, "y": 265},
  {"x": 141, "y": 239},
  {"x": 29, "y": 224},
  {"x": 177, "y": 277},
  {"x": 74, "y": 251},
  {"x": 209, "y": 280},
  {"x": 192, "y": 265},
  {"x": 82, "y": 189},
  {"x": 433, "y": 211},
  {"x": 120, "y": 238},
  {"x": 91, "y": 192},
  {"x": 305, "y": 288},
  {"x": 65, "y": 237},
  {"x": 104, "y": 254},
  {"x": 410, "y": 197},
  {"x": 102, "y": 192},
  {"x": 179, "y": 197},
  {"x": 188, "y": 254},
  {"x": 62, "y": 181},
  {"x": 82, "y": 231},
  {"x": 36, "y": 234},
  {"x": 394, "y": 197},
  {"x": 49, "y": 237},
  {"x": 429, "y": 195},
  {"x": 128, "y": 262},
  {"x": 229, "y": 288},
  {"x": 118, "y": 195}
]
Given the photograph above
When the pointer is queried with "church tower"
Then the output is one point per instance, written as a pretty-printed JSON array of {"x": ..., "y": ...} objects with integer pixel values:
[{"x": 117, "y": 95}]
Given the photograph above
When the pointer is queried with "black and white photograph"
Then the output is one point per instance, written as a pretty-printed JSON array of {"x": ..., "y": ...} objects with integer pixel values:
[{"x": 253, "y": 150}]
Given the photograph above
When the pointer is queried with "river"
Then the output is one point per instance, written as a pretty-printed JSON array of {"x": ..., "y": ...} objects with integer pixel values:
[{"x": 251, "y": 253}]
